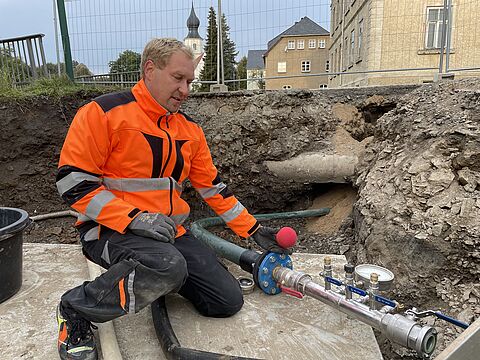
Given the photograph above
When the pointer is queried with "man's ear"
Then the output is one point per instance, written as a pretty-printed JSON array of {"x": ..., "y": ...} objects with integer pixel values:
[
  {"x": 148, "y": 68},
  {"x": 198, "y": 59}
]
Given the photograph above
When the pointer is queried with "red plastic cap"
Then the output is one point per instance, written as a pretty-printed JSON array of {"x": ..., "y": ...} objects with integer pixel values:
[{"x": 286, "y": 237}]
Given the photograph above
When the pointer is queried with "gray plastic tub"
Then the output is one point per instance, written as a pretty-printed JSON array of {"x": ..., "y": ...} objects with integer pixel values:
[{"x": 12, "y": 223}]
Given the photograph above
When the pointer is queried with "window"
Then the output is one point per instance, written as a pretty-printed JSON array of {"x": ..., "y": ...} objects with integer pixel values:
[
  {"x": 291, "y": 44},
  {"x": 321, "y": 44},
  {"x": 334, "y": 17},
  {"x": 300, "y": 44},
  {"x": 282, "y": 67},
  {"x": 322, "y": 86},
  {"x": 327, "y": 66},
  {"x": 286, "y": 87},
  {"x": 340, "y": 58},
  {"x": 194, "y": 46},
  {"x": 335, "y": 62},
  {"x": 352, "y": 47},
  {"x": 433, "y": 37},
  {"x": 312, "y": 44},
  {"x": 306, "y": 66},
  {"x": 360, "y": 38}
]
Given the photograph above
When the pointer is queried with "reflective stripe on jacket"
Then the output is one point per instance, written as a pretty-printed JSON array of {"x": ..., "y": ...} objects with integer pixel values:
[{"x": 124, "y": 153}]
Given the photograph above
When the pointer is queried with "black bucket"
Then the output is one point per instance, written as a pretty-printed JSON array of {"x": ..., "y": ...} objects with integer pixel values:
[{"x": 12, "y": 223}]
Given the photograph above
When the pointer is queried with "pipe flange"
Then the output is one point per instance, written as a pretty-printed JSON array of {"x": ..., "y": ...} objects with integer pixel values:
[
  {"x": 265, "y": 279},
  {"x": 246, "y": 284}
]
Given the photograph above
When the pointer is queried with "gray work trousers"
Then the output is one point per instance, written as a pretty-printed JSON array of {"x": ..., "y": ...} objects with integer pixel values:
[{"x": 140, "y": 270}]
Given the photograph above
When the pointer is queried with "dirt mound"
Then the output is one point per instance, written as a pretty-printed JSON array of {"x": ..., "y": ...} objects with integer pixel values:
[
  {"x": 418, "y": 204},
  {"x": 418, "y": 211}
]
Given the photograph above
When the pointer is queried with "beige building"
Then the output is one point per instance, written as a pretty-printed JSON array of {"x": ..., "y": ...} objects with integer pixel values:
[
  {"x": 376, "y": 35},
  {"x": 295, "y": 55},
  {"x": 255, "y": 69}
]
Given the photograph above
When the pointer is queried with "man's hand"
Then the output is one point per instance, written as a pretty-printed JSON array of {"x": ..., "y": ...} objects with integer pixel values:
[
  {"x": 154, "y": 225},
  {"x": 265, "y": 238}
]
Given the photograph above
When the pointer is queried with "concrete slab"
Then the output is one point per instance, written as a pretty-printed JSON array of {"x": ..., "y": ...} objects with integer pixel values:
[
  {"x": 28, "y": 327},
  {"x": 269, "y": 327}
]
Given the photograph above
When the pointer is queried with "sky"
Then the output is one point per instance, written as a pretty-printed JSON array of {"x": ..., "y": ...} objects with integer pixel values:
[{"x": 101, "y": 29}]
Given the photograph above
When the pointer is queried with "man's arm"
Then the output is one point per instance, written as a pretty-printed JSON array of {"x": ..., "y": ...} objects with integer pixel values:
[
  {"x": 205, "y": 179},
  {"x": 79, "y": 179}
]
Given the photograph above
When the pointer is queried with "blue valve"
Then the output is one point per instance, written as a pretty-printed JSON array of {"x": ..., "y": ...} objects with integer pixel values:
[
  {"x": 385, "y": 301},
  {"x": 333, "y": 281},
  {"x": 451, "y": 320},
  {"x": 356, "y": 290}
]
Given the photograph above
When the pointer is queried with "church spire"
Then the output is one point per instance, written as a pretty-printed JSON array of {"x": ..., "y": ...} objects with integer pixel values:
[{"x": 193, "y": 23}]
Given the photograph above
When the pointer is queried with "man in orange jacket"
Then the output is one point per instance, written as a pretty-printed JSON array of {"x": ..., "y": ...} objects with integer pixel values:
[{"x": 122, "y": 167}]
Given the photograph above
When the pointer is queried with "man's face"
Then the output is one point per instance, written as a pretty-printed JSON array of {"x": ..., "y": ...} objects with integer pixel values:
[{"x": 170, "y": 86}]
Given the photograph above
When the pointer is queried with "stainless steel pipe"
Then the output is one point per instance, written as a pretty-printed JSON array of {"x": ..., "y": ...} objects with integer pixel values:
[{"x": 398, "y": 328}]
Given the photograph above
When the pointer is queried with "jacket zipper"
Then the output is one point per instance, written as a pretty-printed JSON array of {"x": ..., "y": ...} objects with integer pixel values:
[{"x": 168, "y": 158}]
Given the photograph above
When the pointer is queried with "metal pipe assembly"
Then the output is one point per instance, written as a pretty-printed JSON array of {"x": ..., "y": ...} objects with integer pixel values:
[
  {"x": 273, "y": 273},
  {"x": 397, "y": 328}
]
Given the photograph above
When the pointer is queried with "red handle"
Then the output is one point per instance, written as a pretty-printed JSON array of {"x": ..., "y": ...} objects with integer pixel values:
[{"x": 291, "y": 292}]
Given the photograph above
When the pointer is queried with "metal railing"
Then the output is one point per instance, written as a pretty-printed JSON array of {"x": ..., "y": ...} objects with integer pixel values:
[{"x": 22, "y": 59}]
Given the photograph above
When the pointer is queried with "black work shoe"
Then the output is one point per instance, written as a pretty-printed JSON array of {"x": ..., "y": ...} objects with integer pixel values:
[{"x": 75, "y": 337}]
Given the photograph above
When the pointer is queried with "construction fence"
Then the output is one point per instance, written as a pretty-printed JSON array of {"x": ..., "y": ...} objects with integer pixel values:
[{"x": 278, "y": 44}]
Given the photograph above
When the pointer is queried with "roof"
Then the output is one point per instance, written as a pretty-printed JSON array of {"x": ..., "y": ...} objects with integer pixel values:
[
  {"x": 255, "y": 59},
  {"x": 192, "y": 24},
  {"x": 303, "y": 27}
]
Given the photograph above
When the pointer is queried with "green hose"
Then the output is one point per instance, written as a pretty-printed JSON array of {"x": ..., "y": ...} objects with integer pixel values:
[{"x": 233, "y": 252}]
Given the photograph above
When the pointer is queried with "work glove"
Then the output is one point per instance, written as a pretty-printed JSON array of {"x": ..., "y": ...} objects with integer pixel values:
[
  {"x": 265, "y": 238},
  {"x": 154, "y": 225}
]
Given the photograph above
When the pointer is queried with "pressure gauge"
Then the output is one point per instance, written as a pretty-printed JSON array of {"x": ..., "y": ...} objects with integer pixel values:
[{"x": 385, "y": 276}]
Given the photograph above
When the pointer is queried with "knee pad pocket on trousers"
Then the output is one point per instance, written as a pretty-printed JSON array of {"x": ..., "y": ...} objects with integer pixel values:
[{"x": 150, "y": 284}]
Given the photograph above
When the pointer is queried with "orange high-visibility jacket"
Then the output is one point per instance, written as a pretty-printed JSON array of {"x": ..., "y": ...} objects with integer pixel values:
[{"x": 124, "y": 154}]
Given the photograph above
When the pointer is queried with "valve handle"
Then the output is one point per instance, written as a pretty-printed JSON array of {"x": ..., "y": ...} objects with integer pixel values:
[
  {"x": 333, "y": 281},
  {"x": 451, "y": 320},
  {"x": 291, "y": 292},
  {"x": 357, "y": 290},
  {"x": 385, "y": 301}
]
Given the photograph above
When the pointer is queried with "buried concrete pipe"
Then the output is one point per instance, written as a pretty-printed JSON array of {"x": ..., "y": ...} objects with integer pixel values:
[{"x": 315, "y": 168}]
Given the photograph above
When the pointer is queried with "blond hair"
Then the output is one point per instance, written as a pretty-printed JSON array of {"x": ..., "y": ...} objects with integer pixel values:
[{"x": 160, "y": 50}]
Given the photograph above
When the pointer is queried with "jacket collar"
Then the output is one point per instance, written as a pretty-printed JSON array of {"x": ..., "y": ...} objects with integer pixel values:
[{"x": 146, "y": 101}]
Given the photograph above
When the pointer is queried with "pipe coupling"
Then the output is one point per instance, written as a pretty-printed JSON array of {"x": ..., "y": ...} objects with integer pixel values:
[
  {"x": 410, "y": 334},
  {"x": 293, "y": 279}
]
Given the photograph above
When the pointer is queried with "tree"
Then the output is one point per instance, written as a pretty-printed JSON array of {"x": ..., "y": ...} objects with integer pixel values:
[
  {"x": 209, "y": 71},
  {"x": 13, "y": 69},
  {"x": 53, "y": 69},
  {"x": 81, "y": 70},
  {"x": 126, "y": 67},
  {"x": 229, "y": 54},
  {"x": 242, "y": 72}
]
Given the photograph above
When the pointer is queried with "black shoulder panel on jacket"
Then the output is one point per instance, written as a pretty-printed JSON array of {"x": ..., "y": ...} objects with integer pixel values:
[
  {"x": 108, "y": 101},
  {"x": 187, "y": 117}
]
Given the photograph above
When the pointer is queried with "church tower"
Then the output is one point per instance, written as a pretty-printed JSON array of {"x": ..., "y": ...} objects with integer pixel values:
[{"x": 194, "y": 40}]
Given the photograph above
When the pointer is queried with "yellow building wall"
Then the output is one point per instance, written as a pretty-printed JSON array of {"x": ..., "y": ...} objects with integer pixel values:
[
  {"x": 395, "y": 35},
  {"x": 294, "y": 58}
]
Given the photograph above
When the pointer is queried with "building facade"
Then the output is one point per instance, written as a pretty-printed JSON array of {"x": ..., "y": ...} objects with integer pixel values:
[
  {"x": 296, "y": 56},
  {"x": 403, "y": 36},
  {"x": 255, "y": 69}
]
